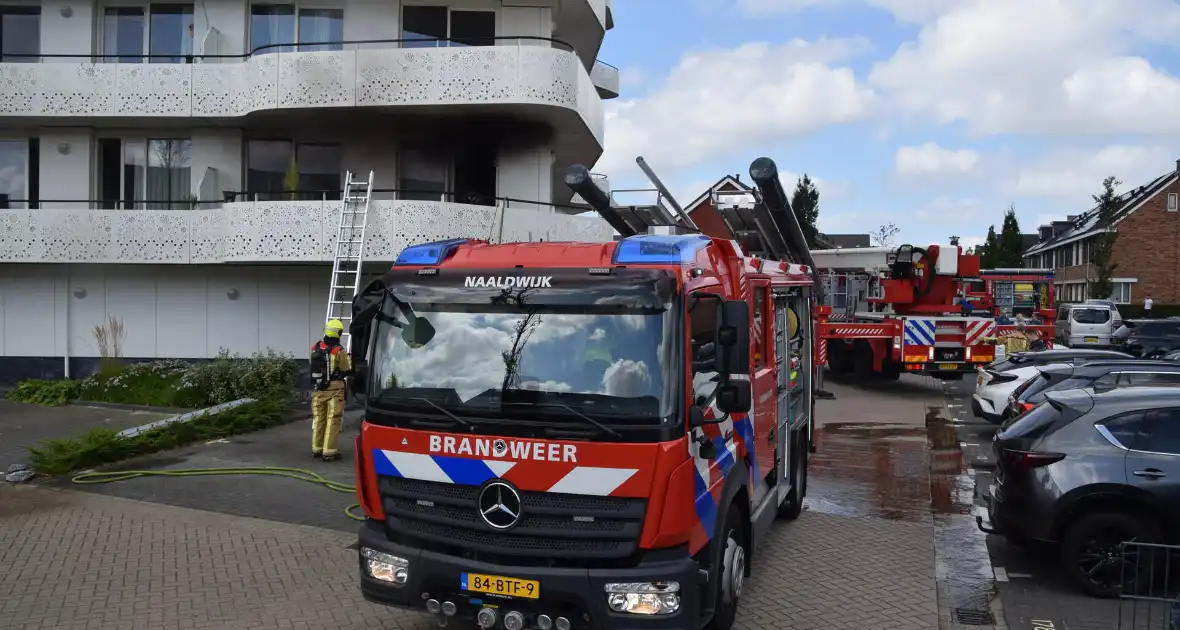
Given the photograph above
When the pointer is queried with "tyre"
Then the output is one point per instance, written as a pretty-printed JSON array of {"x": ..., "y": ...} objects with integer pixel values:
[
  {"x": 1093, "y": 559},
  {"x": 729, "y": 561},
  {"x": 793, "y": 506},
  {"x": 862, "y": 360}
]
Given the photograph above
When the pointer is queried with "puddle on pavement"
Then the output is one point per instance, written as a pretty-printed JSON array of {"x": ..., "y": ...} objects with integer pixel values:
[
  {"x": 910, "y": 473},
  {"x": 963, "y": 567}
]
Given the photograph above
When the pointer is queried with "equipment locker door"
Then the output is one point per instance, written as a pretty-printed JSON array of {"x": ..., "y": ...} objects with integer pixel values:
[
  {"x": 763, "y": 361},
  {"x": 782, "y": 354}
]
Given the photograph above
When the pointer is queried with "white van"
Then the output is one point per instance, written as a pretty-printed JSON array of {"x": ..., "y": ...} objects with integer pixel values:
[{"x": 1085, "y": 325}]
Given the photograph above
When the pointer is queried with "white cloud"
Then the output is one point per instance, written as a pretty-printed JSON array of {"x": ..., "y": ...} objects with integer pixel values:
[
  {"x": 931, "y": 159},
  {"x": 1037, "y": 66},
  {"x": 718, "y": 101},
  {"x": 911, "y": 11},
  {"x": 1073, "y": 176},
  {"x": 632, "y": 76}
]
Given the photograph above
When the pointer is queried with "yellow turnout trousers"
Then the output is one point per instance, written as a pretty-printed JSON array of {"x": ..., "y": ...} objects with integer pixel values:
[{"x": 327, "y": 409}]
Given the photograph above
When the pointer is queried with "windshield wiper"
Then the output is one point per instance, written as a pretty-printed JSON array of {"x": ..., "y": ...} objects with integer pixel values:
[
  {"x": 467, "y": 425},
  {"x": 599, "y": 425}
]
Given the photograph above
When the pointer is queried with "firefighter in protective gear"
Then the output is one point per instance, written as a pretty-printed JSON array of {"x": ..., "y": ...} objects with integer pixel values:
[{"x": 330, "y": 365}]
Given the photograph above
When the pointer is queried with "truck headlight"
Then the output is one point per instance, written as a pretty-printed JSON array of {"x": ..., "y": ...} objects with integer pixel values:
[
  {"x": 386, "y": 567},
  {"x": 644, "y": 598}
]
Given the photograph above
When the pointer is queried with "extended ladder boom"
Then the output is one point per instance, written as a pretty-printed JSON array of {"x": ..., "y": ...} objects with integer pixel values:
[
  {"x": 631, "y": 220},
  {"x": 348, "y": 252}
]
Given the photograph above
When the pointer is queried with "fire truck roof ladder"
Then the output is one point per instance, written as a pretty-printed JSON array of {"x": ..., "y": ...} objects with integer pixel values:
[
  {"x": 665, "y": 216},
  {"x": 349, "y": 252},
  {"x": 762, "y": 220}
]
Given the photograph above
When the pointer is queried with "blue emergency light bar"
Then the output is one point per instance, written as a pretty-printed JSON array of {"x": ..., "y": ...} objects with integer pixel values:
[
  {"x": 653, "y": 249},
  {"x": 428, "y": 253}
]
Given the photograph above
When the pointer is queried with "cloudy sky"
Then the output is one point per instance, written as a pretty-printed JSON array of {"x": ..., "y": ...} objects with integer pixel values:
[{"x": 933, "y": 114}]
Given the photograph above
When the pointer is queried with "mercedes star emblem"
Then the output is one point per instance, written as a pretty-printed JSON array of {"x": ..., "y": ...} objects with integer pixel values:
[{"x": 499, "y": 505}]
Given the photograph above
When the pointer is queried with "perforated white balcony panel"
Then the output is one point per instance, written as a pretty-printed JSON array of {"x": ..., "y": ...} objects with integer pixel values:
[
  {"x": 277, "y": 231},
  {"x": 371, "y": 77}
]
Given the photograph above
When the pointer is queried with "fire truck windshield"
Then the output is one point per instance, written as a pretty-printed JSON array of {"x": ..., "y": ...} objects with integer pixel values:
[{"x": 508, "y": 359}]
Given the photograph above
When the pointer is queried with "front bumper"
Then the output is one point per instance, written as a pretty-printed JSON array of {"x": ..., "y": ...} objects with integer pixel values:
[{"x": 576, "y": 594}]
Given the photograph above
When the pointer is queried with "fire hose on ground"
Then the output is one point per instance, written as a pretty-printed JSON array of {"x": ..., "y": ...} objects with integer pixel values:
[{"x": 98, "y": 477}]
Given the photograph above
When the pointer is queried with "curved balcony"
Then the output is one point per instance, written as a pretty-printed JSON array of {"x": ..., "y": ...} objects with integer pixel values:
[
  {"x": 605, "y": 78},
  {"x": 269, "y": 231},
  {"x": 534, "y": 74}
]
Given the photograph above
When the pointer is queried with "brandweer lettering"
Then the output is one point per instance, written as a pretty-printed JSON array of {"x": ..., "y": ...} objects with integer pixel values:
[
  {"x": 485, "y": 447},
  {"x": 504, "y": 282}
]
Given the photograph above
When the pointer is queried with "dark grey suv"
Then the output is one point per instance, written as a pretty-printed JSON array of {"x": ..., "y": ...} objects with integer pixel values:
[
  {"x": 1099, "y": 374},
  {"x": 1088, "y": 471}
]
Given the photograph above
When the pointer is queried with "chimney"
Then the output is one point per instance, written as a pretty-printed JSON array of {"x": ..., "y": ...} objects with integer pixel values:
[{"x": 1178, "y": 167}]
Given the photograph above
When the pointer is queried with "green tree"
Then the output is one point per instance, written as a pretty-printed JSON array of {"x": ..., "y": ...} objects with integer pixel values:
[
  {"x": 989, "y": 249},
  {"x": 805, "y": 203},
  {"x": 1011, "y": 246},
  {"x": 1102, "y": 249}
]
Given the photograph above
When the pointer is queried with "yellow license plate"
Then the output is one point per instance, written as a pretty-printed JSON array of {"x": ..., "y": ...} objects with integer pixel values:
[
  {"x": 500, "y": 585},
  {"x": 948, "y": 366},
  {"x": 1091, "y": 340}
]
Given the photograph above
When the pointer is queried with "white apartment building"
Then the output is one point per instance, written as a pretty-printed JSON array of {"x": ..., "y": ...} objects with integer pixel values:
[{"x": 178, "y": 165}]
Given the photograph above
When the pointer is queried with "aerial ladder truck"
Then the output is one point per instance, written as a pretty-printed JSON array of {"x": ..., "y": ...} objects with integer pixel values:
[
  {"x": 916, "y": 322},
  {"x": 563, "y": 436}
]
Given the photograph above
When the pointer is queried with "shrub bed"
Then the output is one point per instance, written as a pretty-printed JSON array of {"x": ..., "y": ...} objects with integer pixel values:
[
  {"x": 103, "y": 446},
  {"x": 171, "y": 383}
]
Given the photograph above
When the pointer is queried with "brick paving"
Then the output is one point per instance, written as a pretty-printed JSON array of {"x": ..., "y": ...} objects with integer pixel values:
[{"x": 90, "y": 561}]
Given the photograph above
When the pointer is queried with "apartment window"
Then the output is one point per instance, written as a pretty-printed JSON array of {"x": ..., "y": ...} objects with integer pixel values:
[
  {"x": 1173, "y": 202},
  {"x": 429, "y": 27},
  {"x": 281, "y": 28},
  {"x": 1122, "y": 292},
  {"x": 20, "y": 34},
  {"x": 469, "y": 173},
  {"x": 282, "y": 169},
  {"x": 153, "y": 174},
  {"x": 163, "y": 31},
  {"x": 14, "y": 173}
]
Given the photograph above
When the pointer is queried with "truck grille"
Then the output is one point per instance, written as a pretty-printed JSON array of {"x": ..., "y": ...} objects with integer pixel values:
[{"x": 551, "y": 525}]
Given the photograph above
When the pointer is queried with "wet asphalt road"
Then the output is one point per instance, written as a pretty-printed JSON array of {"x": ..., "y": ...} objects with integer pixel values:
[{"x": 1033, "y": 590}]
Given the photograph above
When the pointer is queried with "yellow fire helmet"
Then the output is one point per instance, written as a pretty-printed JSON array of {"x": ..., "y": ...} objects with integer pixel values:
[{"x": 334, "y": 328}]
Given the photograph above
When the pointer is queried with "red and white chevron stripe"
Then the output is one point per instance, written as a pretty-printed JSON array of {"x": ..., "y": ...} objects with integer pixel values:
[
  {"x": 974, "y": 331},
  {"x": 860, "y": 330}
]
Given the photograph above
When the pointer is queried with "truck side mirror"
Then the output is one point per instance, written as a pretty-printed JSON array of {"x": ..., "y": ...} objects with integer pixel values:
[
  {"x": 733, "y": 337},
  {"x": 734, "y": 397},
  {"x": 360, "y": 378}
]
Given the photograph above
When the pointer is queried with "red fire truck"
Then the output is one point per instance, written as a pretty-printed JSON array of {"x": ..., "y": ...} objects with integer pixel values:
[
  {"x": 915, "y": 324},
  {"x": 585, "y": 435},
  {"x": 1006, "y": 293}
]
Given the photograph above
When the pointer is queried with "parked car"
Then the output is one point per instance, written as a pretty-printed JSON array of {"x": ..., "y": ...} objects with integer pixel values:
[
  {"x": 1086, "y": 471},
  {"x": 1099, "y": 374},
  {"x": 1118, "y": 317},
  {"x": 1150, "y": 338},
  {"x": 1085, "y": 325},
  {"x": 996, "y": 382}
]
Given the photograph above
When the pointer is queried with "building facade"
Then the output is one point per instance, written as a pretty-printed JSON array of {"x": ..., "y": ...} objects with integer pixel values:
[
  {"x": 178, "y": 166},
  {"x": 1146, "y": 251}
]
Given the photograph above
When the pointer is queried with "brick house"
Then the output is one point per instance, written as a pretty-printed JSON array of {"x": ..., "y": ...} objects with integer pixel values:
[
  {"x": 702, "y": 212},
  {"x": 1146, "y": 253}
]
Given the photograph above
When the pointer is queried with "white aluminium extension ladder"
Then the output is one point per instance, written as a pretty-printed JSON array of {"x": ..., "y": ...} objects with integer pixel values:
[{"x": 348, "y": 254}]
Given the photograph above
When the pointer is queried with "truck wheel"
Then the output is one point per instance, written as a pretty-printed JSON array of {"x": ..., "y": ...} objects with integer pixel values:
[
  {"x": 862, "y": 360},
  {"x": 729, "y": 562},
  {"x": 793, "y": 506}
]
